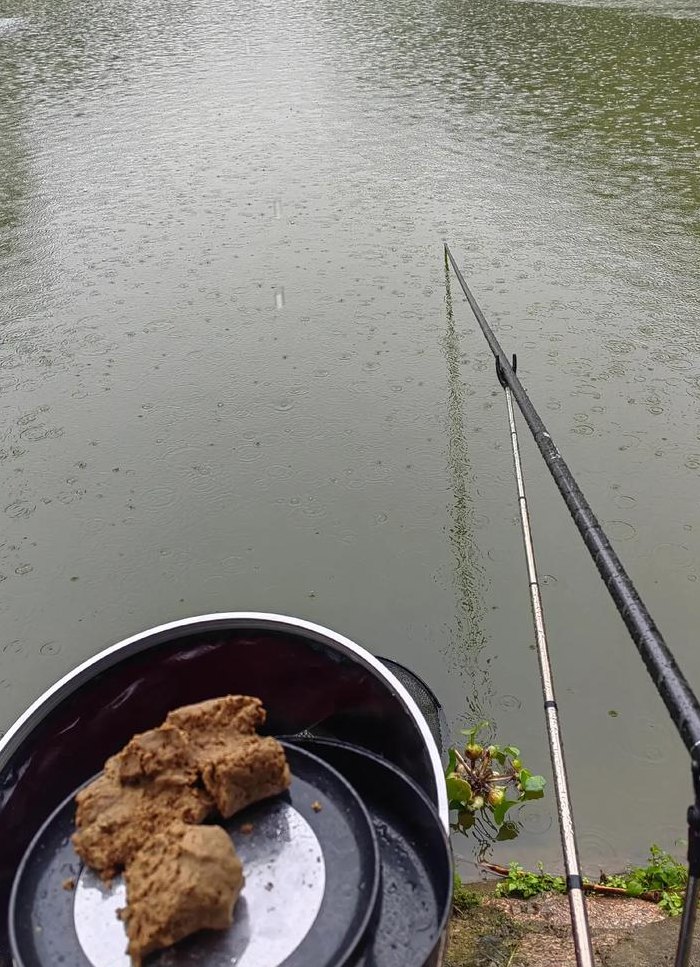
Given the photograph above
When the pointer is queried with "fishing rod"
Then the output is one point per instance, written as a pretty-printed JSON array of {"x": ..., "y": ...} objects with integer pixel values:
[
  {"x": 679, "y": 698},
  {"x": 574, "y": 880}
]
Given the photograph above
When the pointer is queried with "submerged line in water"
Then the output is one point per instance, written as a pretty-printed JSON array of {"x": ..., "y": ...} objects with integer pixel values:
[{"x": 468, "y": 571}]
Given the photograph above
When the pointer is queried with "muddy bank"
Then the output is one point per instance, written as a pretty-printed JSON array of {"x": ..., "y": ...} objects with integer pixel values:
[{"x": 495, "y": 932}]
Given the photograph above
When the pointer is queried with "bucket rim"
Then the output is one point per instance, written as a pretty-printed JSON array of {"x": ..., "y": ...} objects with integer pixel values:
[{"x": 134, "y": 644}]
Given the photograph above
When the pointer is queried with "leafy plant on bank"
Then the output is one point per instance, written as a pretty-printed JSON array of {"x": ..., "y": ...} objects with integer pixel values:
[
  {"x": 524, "y": 884},
  {"x": 663, "y": 875},
  {"x": 485, "y": 781},
  {"x": 663, "y": 880}
]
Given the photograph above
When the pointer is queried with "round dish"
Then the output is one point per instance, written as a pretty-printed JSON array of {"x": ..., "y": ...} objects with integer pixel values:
[
  {"x": 416, "y": 859},
  {"x": 314, "y": 869}
]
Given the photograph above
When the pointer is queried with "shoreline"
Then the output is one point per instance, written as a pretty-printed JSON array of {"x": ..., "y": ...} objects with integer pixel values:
[{"x": 505, "y": 932}]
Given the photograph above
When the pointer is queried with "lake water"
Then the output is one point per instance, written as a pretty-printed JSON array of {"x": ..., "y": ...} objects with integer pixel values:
[{"x": 228, "y": 380}]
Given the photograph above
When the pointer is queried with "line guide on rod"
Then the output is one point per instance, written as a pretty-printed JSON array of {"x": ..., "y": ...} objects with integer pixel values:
[{"x": 679, "y": 698}]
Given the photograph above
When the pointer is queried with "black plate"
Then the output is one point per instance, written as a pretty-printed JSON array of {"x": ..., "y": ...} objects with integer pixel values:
[
  {"x": 417, "y": 872},
  {"x": 312, "y": 884}
]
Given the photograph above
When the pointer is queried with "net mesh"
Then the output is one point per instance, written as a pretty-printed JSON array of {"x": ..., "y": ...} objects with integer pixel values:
[{"x": 425, "y": 699}]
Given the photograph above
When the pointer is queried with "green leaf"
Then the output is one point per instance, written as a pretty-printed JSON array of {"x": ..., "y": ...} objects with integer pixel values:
[
  {"x": 512, "y": 751},
  {"x": 635, "y": 888},
  {"x": 616, "y": 880},
  {"x": 672, "y": 903},
  {"x": 499, "y": 812},
  {"x": 458, "y": 789},
  {"x": 472, "y": 733},
  {"x": 527, "y": 796},
  {"x": 532, "y": 783}
]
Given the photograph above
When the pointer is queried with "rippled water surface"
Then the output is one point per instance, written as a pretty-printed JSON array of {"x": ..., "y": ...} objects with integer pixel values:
[{"x": 228, "y": 379}]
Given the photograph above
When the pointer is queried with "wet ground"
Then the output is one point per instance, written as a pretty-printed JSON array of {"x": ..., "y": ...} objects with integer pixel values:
[{"x": 537, "y": 933}]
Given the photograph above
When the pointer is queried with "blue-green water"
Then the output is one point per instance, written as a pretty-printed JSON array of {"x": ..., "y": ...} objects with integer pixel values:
[{"x": 227, "y": 379}]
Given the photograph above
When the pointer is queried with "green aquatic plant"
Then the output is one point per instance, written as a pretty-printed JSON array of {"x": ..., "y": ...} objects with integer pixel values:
[{"x": 485, "y": 781}]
